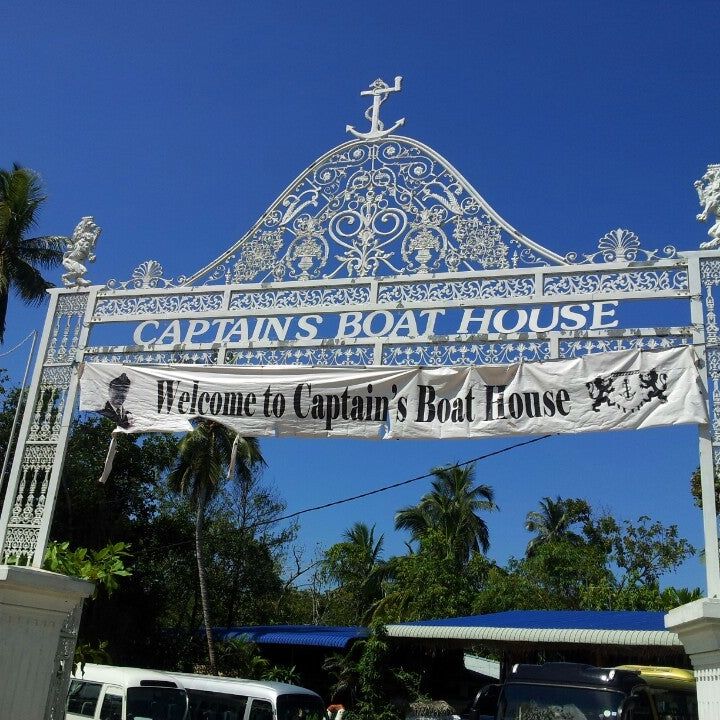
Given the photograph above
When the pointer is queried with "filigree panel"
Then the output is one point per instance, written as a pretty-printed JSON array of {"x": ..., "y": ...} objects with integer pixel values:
[
  {"x": 386, "y": 207},
  {"x": 456, "y": 353},
  {"x": 352, "y": 355},
  {"x": 619, "y": 281},
  {"x": 476, "y": 289},
  {"x": 49, "y": 403},
  {"x": 712, "y": 358},
  {"x": 710, "y": 278},
  {"x": 148, "y": 274},
  {"x": 577, "y": 347},
  {"x": 29, "y": 504},
  {"x": 20, "y": 543},
  {"x": 152, "y": 357},
  {"x": 67, "y": 324},
  {"x": 118, "y": 306},
  {"x": 297, "y": 298}
]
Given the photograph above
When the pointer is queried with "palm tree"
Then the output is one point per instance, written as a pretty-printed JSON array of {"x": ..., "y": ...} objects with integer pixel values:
[
  {"x": 362, "y": 538},
  {"x": 356, "y": 565},
  {"x": 20, "y": 256},
  {"x": 450, "y": 512},
  {"x": 554, "y": 520},
  {"x": 204, "y": 455}
]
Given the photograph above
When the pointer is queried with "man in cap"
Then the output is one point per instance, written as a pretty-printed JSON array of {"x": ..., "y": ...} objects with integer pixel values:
[{"x": 115, "y": 407}]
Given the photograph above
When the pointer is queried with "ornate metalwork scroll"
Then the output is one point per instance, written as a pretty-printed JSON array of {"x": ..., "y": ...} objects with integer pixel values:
[{"x": 389, "y": 207}]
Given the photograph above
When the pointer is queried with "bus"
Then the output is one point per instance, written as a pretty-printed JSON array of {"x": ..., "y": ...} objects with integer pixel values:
[{"x": 104, "y": 692}]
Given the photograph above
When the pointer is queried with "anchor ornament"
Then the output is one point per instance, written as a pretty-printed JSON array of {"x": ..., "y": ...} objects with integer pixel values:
[{"x": 380, "y": 91}]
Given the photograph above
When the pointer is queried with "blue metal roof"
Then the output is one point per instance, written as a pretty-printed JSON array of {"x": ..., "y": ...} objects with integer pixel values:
[
  {"x": 311, "y": 635},
  {"x": 557, "y": 620}
]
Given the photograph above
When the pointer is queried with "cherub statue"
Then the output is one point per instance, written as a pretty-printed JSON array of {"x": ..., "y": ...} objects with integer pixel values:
[
  {"x": 708, "y": 190},
  {"x": 79, "y": 251}
]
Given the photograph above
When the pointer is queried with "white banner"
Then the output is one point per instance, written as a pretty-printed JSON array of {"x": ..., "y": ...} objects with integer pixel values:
[{"x": 609, "y": 391}]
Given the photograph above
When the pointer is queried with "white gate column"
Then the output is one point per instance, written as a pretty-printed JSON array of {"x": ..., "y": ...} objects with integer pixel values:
[
  {"x": 698, "y": 627},
  {"x": 34, "y": 607}
]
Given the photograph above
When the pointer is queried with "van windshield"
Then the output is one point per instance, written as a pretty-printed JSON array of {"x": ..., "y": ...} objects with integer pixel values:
[
  {"x": 555, "y": 702},
  {"x": 156, "y": 703},
  {"x": 300, "y": 707}
]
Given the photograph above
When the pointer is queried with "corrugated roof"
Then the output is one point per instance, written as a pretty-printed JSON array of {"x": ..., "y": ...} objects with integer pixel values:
[
  {"x": 548, "y": 626},
  {"x": 310, "y": 635}
]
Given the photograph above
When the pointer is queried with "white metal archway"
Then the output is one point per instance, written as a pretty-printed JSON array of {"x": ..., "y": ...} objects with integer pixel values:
[{"x": 379, "y": 253}]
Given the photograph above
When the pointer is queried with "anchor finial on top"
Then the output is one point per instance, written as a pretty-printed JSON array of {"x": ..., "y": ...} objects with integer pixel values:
[{"x": 380, "y": 91}]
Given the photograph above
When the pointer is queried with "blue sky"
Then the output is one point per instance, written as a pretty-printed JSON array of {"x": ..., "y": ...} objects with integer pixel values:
[{"x": 177, "y": 124}]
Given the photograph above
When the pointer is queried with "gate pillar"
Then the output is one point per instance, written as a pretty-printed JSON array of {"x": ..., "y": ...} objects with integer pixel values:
[
  {"x": 34, "y": 609},
  {"x": 698, "y": 627}
]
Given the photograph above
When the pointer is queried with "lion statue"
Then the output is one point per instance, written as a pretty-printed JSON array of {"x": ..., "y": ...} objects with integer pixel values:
[
  {"x": 80, "y": 251},
  {"x": 708, "y": 190}
]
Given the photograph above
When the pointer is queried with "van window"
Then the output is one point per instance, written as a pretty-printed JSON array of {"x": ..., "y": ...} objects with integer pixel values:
[
  {"x": 260, "y": 710},
  {"x": 156, "y": 703},
  {"x": 111, "y": 707},
  {"x": 83, "y": 697},
  {"x": 300, "y": 707},
  {"x": 208, "y": 705}
]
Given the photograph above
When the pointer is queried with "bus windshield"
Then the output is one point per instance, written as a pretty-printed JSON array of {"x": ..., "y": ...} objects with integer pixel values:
[
  {"x": 300, "y": 707},
  {"x": 156, "y": 703},
  {"x": 556, "y": 702}
]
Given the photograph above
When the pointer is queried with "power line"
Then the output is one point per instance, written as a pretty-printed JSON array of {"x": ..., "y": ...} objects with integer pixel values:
[{"x": 400, "y": 484}]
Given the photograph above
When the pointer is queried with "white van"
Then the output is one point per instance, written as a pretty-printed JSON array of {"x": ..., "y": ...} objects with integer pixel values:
[
  {"x": 219, "y": 698},
  {"x": 103, "y": 692}
]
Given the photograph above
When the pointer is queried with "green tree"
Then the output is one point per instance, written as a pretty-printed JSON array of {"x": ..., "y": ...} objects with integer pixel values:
[
  {"x": 646, "y": 549},
  {"x": 8, "y": 406},
  {"x": 103, "y": 568},
  {"x": 425, "y": 584},
  {"x": 205, "y": 454},
  {"x": 356, "y": 566},
  {"x": 367, "y": 681},
  {"x": 246, "y": 521},
  {"x": 451, "y": 510},
  {"x": 612, "y": 566},
  {"x": 21, "y": 196},
  {"x": 696, "y": 490},
  {"x": 555, "y": 576},
  {"x": 554, "y": 521}
]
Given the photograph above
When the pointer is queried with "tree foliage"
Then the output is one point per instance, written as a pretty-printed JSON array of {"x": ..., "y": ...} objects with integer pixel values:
[
  {"x": 22, "y": 257},
  {"x": 448, "y": 517},
  {"x": 102, "y": 567},
  {"x": 357, "y": 570},
  {"x": 555, "y": 520},
  {"x": 696, "y": 490}
]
